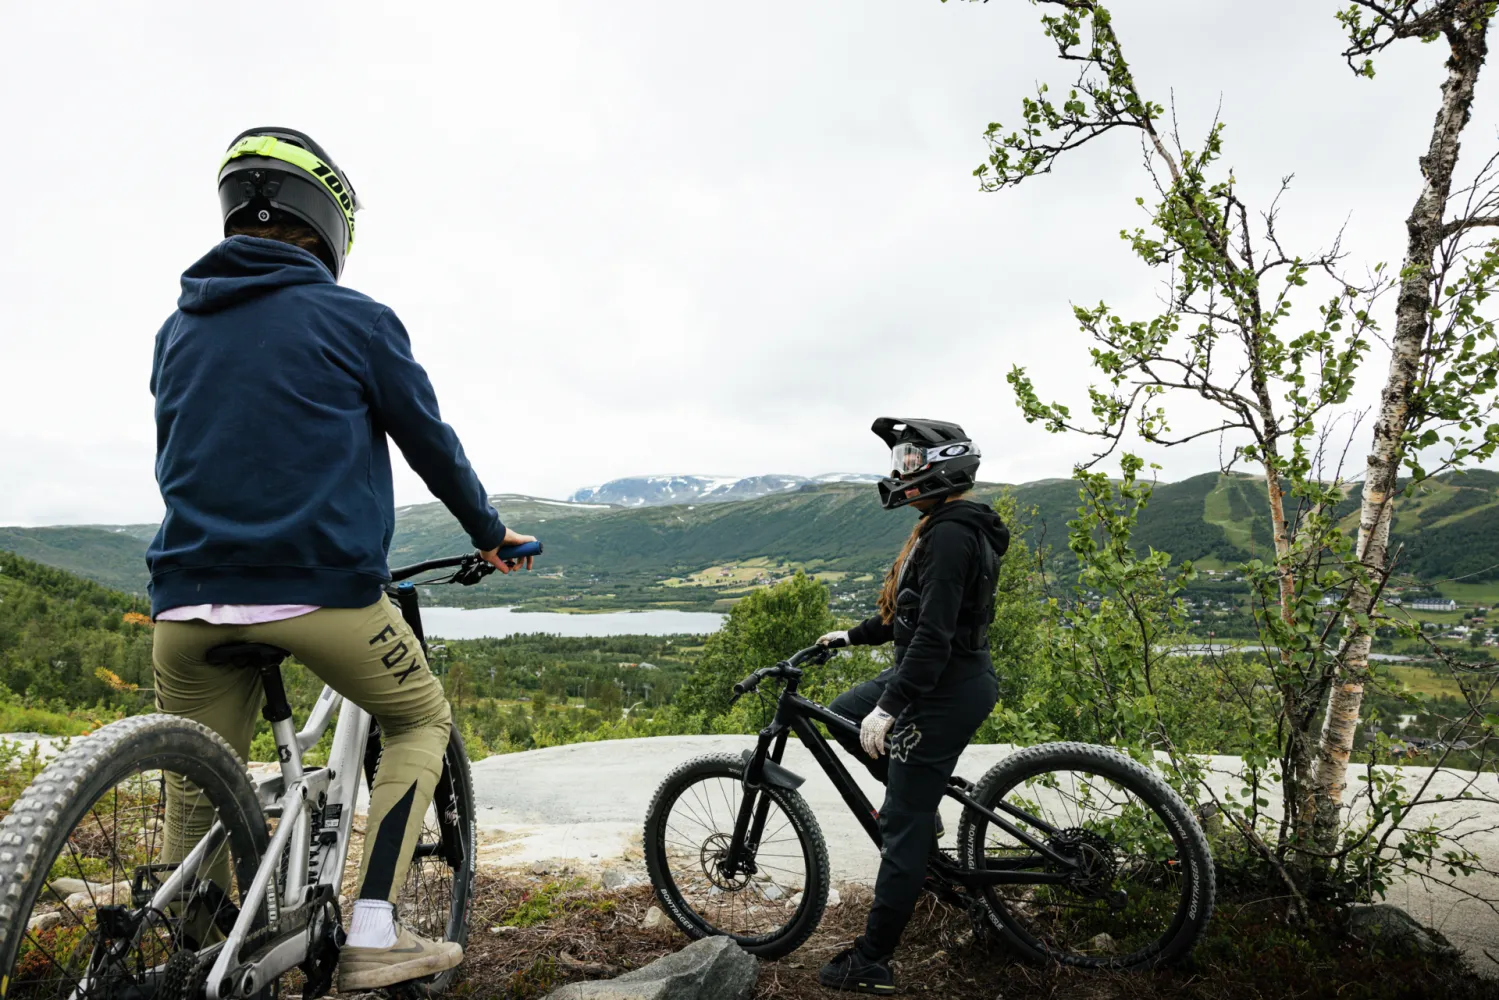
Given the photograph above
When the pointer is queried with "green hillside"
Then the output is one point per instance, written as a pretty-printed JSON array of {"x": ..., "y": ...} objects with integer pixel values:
[
  {"x": 609, "y": 556},
  {"x": 114, "y": 557},
  {"x": 66, "y": 642}
]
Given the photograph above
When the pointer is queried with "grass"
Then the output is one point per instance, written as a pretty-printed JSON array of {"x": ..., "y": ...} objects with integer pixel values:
[
  {"x": 1215, "y": 510},
  {"x": 1248, "y": 954},
  {"x": 16, "y": 718},
  {"x": 552, "y": 901},
  {"x": 1426, "y": 682},
  {"x": 741, "y": 576},
  {"x": 1469, "y": 594}
]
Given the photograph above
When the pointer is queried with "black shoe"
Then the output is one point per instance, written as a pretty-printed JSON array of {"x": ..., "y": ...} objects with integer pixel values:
[{"x": 850, "y": 970}]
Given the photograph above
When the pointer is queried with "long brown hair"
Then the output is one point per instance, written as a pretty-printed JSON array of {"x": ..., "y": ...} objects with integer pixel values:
[{"x": 890, "y": 590}]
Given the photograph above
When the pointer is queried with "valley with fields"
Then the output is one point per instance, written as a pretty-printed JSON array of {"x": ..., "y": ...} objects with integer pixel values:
[{"x": 705, "y": 555}]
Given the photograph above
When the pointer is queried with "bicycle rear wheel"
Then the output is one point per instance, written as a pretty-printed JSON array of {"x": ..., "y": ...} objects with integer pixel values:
[
  {"x": 84, "y": 849},
  {"x": 1142, "y": 889},
  {"x": 435, "y": 899},
  {"x": 775, "y": 900}
]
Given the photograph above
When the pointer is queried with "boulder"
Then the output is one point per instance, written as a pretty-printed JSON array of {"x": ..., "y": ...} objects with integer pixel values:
[
  {"x": 1392, "y": 931},
  {"x": 65, "y": 887},
  {"x": 713, "y": 968},
  {"x": 99, "y": 895},
  {"x": 620, "y": 880},
  {"x": 44, "y": 921}
]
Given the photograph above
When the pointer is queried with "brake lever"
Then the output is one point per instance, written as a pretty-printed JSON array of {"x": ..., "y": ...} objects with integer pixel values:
[{"x": 472, "y": 571}]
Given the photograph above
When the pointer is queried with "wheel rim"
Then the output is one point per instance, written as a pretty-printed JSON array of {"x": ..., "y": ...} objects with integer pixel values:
[
  {"x": 1131, "y": 885},
  {"x": 752, "y": 903},
  {"x": 66, "y": 950}
]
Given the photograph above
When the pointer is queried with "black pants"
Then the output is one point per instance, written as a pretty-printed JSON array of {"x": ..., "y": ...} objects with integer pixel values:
[{"x": 921, "y": 753}]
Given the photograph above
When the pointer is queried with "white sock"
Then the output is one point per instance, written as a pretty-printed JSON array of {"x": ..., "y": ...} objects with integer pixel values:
[{"x": 373, "y": 924}]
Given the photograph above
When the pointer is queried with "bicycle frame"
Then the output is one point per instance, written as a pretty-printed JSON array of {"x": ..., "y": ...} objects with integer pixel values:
[
  {"x": 796, "y": 714},
  {"x": 312, "y": 879}
]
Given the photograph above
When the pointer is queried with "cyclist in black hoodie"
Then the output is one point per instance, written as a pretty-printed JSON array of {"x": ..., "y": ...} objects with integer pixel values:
[{"x": 916, "y": 718}]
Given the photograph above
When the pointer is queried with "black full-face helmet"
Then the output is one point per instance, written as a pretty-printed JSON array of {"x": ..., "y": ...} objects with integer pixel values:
[
  {"x": 271, "y": 173},
  {"x": 931, "y": 456}
]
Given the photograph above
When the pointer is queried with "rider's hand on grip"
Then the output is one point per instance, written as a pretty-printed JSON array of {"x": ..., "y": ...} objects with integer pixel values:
[
  {"x": 512, "y": 537},
  {"x": 834, "y": 640},
  {"x": 873, "y": 731}
]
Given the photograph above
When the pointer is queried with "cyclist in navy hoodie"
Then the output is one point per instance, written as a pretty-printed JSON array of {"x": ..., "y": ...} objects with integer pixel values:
[{"x": 277, "y": 390}]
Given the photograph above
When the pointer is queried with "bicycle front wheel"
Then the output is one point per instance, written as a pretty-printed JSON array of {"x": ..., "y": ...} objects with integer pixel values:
[
  {"x": 773, "y": 899},
  {"x": 86, "y": 847},
  {"x": 1139, "y": 891},
  {"x": 437, "y": 895}
]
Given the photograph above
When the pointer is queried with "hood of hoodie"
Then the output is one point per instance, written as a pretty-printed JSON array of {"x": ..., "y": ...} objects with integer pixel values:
[
  {"x": 980, "y": 517},
  {"x": 244, "y": 267}
]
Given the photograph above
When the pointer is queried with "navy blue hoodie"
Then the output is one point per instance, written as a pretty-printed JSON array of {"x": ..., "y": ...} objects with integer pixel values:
[{"x": 275, "y": 391}]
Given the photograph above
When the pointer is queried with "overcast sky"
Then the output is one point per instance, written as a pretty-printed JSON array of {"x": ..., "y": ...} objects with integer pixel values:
[{"x": 649, "y": 237}]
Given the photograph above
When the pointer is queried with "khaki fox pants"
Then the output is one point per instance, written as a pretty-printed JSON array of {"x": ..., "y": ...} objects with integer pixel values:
[{"x": 368, "y": 655}]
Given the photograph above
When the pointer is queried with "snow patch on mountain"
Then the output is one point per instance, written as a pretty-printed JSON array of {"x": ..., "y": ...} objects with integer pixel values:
[{"x": 651, "y": 491}]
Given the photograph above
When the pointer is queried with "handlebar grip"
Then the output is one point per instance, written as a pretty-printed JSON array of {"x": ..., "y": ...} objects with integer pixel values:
[{"x": 520, "y": 551}]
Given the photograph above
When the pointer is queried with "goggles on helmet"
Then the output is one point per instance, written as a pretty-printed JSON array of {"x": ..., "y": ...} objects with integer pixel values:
[{"x": 910, "y": 457}]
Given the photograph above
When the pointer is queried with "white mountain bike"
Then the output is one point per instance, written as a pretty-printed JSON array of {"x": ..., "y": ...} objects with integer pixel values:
[{"x": 91, "y": 908}]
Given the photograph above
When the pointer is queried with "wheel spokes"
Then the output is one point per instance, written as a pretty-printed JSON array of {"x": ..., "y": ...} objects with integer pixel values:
[
  {"x": 759, "y": 897},
  {"x": 120, "y": 844},
  {"x": 1125, "y": 876}
]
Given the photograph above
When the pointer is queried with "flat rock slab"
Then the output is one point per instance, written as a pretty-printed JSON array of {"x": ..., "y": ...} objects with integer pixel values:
[{"x": 710, "y": 969}]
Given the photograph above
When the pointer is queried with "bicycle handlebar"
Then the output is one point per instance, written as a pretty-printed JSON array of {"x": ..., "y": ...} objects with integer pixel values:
[
  {"x": 786, "y": 667},
  {"x": 472, "y": 566}
]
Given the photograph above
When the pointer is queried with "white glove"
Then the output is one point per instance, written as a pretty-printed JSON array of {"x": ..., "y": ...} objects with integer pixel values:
[
  {"x": 836, "y": 640},
  {"x": 873, "y": 730}
]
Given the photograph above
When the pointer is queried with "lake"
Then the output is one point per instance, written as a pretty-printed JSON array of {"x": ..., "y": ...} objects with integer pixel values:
[{"x": 482, "y": 623}]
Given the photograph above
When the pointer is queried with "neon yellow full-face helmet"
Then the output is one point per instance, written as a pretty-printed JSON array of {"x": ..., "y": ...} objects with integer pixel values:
[{"x": 271, "y": 171}]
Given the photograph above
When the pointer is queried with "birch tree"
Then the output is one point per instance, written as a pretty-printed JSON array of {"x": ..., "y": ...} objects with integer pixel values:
[
  {"x": 1438, "y": 393},
  {"x": 1224, "y": 335}
]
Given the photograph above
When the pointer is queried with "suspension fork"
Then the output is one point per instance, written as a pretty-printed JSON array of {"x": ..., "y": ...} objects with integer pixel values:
[
  {"x": 762, "y": 808},
  {"x": 749, "y": 824}
]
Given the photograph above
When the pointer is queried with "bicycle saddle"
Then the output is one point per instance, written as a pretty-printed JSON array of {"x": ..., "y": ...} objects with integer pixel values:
[{"x": 246, "y": 654}]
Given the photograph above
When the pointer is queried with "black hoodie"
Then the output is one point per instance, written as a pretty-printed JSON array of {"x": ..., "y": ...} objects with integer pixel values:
[{"x": 946, "y": 602}]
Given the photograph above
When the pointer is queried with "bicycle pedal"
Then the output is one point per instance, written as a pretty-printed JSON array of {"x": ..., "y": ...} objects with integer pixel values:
[{"x": 978, "y": 916}]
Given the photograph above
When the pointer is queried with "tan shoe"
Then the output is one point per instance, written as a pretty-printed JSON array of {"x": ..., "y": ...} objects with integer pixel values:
[{"x": 411, "y": 957}]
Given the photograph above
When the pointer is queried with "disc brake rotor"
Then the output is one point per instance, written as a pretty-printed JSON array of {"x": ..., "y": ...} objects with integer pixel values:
[{"x": 714, "y": 853}]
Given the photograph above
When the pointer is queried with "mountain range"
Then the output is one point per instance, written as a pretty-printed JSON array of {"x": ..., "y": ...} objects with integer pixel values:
[
  {"x": 650, "y": 491},
  {"x": 605, "y": 555}
]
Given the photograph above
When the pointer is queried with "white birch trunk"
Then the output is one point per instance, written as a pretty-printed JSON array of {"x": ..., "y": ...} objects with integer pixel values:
[{"x": 1423, "y": 228}]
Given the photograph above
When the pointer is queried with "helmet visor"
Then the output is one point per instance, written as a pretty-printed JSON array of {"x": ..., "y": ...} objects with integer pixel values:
[{"x": 907, "y": 458}]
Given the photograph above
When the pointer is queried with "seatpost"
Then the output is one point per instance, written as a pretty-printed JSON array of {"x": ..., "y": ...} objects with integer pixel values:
[
  {"x": 277, "y": 712},
  {"x": 277, "y": 708}
]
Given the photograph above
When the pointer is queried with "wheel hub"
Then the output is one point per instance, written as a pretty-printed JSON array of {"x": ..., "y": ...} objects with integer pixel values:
[{"x": 715, "y": 861}]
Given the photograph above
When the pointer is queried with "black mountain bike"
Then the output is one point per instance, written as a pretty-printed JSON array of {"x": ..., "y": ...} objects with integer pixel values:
[{"x": 1072, "y": 853}]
